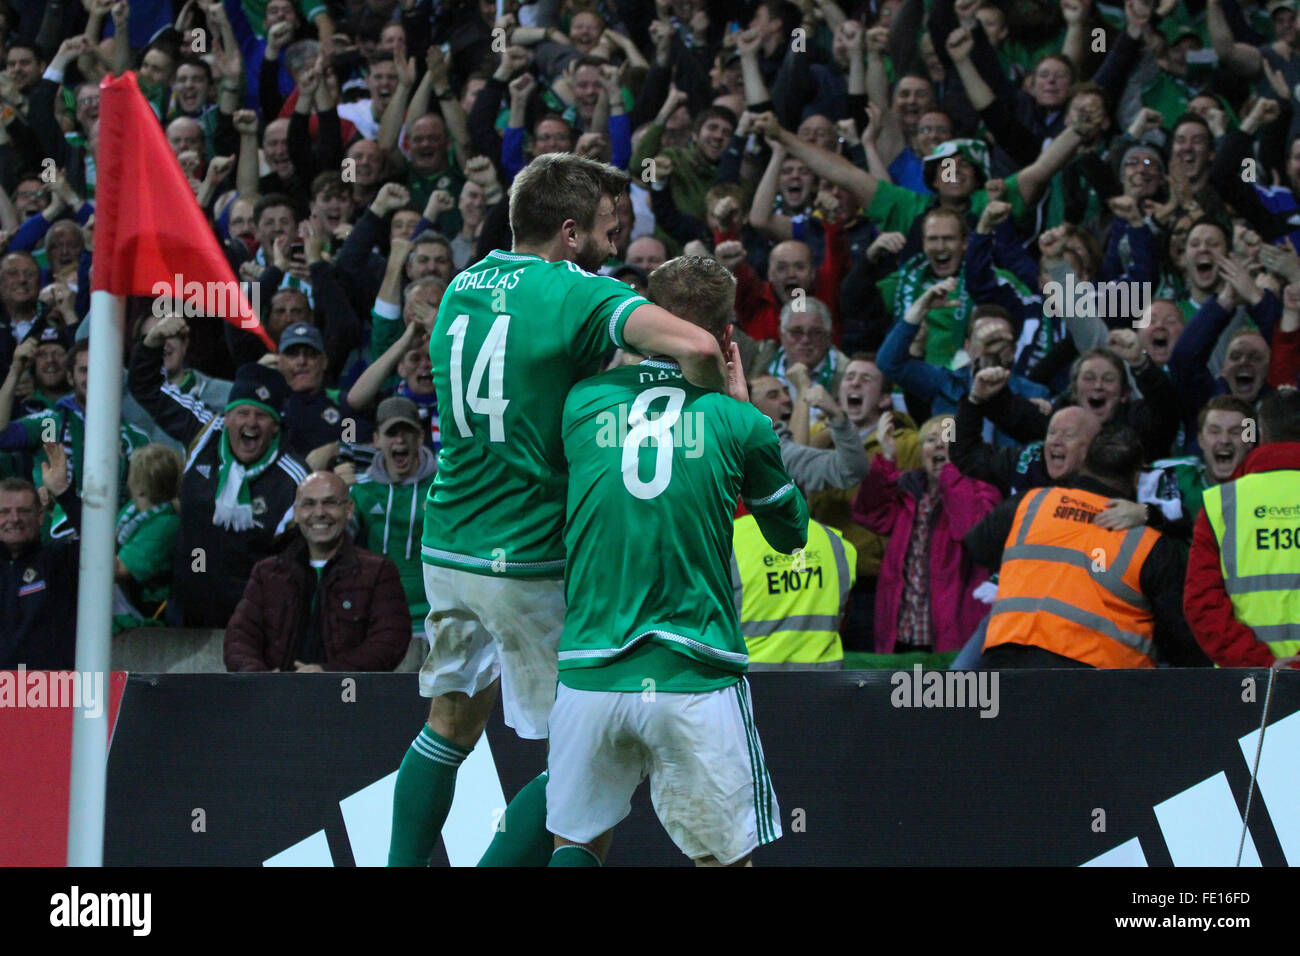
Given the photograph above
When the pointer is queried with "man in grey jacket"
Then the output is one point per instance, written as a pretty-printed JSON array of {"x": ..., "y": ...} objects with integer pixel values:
[{"x": 813, "y": 469}]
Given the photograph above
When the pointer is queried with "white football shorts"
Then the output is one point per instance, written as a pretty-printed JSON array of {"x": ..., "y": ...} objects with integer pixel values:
[
  {"x": 482, "y": 627},
  {"x": 708, "y": 780}
]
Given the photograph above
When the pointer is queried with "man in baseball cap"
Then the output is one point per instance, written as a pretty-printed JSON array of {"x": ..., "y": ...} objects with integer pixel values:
[
  {"x": 389, "y": 498},
  {"x": 49, "y": 364},
  {"x": 313, "y": 415}
]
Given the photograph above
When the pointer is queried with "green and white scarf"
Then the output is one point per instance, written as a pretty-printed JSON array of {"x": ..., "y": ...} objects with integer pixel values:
[
  {"x": 234, "y": 510},
  {"x": 130, "y": 518},
  {"x": 914, "y": 277},
  {"x": 823, "y": 374}
]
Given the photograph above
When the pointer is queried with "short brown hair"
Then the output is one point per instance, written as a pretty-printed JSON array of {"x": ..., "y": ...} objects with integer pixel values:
[
  {"x": 714, "y": 112},
  {"x": 12, "y": 485},
  {"x": 698, "y": 289},
  {"x": 886, "y": 385},
  {"x": 1088, "y": 88},
  {"x": 936, "y": 212},
  {"x": 1224, "y": 403},
  {"x": 330, "y": 183},
  {"x": 1090, "y": 244},
  {"x": 157, "y": 469},
  {"x": 559, "y": 186},
  {"x": 1060, "y": 58}
]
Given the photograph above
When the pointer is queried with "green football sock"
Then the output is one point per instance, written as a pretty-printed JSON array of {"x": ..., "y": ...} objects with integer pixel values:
[
  {"x": 523, "y": 839},
  {"x": 574, "y": 855},
  {"x": 426, "y": 783}
]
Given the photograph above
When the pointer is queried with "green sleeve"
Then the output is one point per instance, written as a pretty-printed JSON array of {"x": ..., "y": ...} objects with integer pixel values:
[
  {"x": 768, "y": 490},
  {"x": 596, "y": 309},
  {"x": 1019, "y": 210},
  {"x": 310, "y": 9},
  {"x": 383, "y": 333},
  {"x": 133, "y": 439},
  {"x": 893, "y": 208},
  {"x": 148, "y": 554},
  {"x": 888, "y": 288},
  {"x": 646, "y": 148}
]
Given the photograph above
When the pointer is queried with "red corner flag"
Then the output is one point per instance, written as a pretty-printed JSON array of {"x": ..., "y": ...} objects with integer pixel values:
[{"x": 151, "y": 237}]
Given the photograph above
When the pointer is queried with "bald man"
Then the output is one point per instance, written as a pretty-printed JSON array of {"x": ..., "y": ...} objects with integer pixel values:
[
  {"x": 185, "y": 135},
  {"x": 322, "y": 604},
  {"x": 791, "y": 275},
  {"x": 646, "y": 253}
]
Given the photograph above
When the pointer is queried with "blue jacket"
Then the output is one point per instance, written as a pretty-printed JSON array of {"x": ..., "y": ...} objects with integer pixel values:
[{"x": 943, "y": 388}]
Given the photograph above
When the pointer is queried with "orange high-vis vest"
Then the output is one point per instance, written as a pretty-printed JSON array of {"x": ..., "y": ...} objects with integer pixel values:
[{"x": 1071, "y": 587}]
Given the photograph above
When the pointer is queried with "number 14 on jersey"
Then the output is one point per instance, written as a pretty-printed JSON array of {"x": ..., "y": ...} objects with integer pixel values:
[{"x": 491, "y": 359}]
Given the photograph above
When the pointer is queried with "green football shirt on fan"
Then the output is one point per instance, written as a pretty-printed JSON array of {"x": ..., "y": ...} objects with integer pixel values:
[
  {"x": 513, "y": 334},
  {"x": 656, "y": 465}
]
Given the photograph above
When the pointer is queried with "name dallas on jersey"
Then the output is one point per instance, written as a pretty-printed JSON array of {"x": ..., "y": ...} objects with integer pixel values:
[
  {"x": 632, "y": 426},
  {"x": 487, "y": 279}
]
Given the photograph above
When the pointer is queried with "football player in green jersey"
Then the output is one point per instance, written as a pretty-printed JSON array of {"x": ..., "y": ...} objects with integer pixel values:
[
  {"x": 651, "y": 658},
  {"x": 514, "y": 332}
]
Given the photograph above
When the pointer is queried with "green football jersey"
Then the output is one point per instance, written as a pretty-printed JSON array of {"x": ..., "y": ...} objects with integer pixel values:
[
  {"x": 513, "y": 334},
  {"x": 656, "y": 466}
]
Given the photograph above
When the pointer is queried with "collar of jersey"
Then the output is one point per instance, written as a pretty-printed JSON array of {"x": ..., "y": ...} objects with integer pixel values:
[
  {"x": 660, "y": 363},
  {"x": 515, "y": 256}
]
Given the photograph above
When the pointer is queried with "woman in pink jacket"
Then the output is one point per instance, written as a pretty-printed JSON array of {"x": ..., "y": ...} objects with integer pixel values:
[{"x": 923, "y": 599}]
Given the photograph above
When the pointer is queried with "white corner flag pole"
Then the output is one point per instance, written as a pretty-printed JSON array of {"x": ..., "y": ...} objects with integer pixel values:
[{"x": 95, "y": 584}]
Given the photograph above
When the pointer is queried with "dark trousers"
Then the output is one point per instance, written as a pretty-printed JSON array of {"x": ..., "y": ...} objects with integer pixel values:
[
  {"x": 858, "y": 631},
  {"x": 1003, "y": 656}
]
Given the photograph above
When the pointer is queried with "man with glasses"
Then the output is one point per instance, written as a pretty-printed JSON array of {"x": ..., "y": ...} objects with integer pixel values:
[
  {"x": 87, "y": 105},
  {"x": 806, "y": 341}
]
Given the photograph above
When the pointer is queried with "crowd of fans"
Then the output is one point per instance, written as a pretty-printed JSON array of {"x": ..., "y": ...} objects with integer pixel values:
[{"x": 969, "y": 237}]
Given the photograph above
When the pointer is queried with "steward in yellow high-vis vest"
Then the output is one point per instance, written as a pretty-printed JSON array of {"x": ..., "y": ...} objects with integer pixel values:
[
  {"x": 1072, "y": 593},
  {"x": 790, "y": 605},
  {"x": 1243, "y": 573}
]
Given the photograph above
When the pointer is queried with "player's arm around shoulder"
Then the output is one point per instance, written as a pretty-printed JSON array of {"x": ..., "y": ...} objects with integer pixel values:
[
  {"x": 767, "y": 489},
  {"x": 651, "y": 330}
]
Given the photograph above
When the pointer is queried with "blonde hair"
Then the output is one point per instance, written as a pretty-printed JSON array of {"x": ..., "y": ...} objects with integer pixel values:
[
  {"x": 935, "y": 423},
  {"x": 157, "y": 470}
]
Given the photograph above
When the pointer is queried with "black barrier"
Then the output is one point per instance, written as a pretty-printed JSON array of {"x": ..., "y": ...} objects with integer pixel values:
[{"x": 874, "y": 768}]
